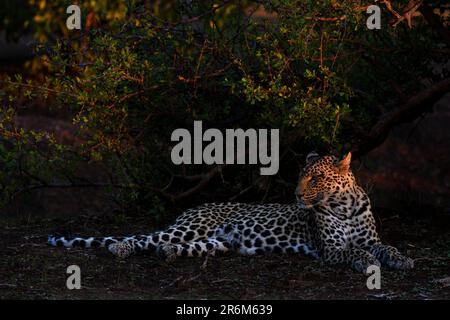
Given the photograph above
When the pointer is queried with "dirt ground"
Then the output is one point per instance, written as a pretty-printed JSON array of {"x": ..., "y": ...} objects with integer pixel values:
[{"x": 29, "y": 269}]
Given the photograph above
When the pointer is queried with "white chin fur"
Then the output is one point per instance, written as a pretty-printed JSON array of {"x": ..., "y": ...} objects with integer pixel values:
[{"x": 301, "y": 204}]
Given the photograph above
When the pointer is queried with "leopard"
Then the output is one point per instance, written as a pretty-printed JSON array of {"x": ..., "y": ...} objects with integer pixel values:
[{"x": 331, "y": 221}]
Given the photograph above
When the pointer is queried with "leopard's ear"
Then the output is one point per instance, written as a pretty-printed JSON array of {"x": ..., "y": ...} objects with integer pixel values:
[
  {"x": 312, "y": 156},
  {"x": 344, "y": 165}
]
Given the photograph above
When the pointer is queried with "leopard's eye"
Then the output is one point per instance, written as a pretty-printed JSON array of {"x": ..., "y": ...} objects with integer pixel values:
[{"x": 316, "y": 178}]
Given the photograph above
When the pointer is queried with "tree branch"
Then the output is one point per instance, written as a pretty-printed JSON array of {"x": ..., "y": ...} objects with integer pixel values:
[
  {"x": 204, "y": 178},
  {"x": 412, "y": 108},
  {"x": 67, "y": 186}
]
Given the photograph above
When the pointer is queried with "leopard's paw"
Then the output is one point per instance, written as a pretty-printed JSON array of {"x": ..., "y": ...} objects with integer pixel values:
[
  {"x": 400, "y": 262},
  {"x": 120, "y": 249},
  {"x": 167, "y": 252},
  {"x": 363, "y": 263}
]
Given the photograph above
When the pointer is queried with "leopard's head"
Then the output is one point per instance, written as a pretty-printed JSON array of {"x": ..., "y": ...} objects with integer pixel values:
[{"x": 324, "y": 179}]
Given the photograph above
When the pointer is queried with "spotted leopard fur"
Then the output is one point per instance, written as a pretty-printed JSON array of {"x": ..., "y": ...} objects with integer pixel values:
[{"x": 331, "y": 221}]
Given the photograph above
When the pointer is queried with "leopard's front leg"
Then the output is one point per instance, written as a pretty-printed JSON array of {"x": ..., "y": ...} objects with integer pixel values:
[
  {"x": 359, "y": 259},
  {"x": 391, "y": 257},
  {"x": 337, "y": 249}
]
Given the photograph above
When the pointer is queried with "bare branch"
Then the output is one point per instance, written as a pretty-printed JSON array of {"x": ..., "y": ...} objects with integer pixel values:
[
  {"x": 67, "y": 186},
  {"x": 413, "y": 107},
  {"x": 204, "y": 180}
]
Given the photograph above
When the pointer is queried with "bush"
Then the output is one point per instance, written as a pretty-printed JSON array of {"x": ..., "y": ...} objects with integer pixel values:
[{"x": 310, "y": 68}]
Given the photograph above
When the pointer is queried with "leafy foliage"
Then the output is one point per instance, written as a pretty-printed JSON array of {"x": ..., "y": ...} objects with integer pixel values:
[{"x": 310, "y": 68}]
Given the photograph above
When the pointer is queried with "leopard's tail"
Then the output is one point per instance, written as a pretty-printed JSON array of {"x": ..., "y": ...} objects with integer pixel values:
[{"x": 87, "y": 242}]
